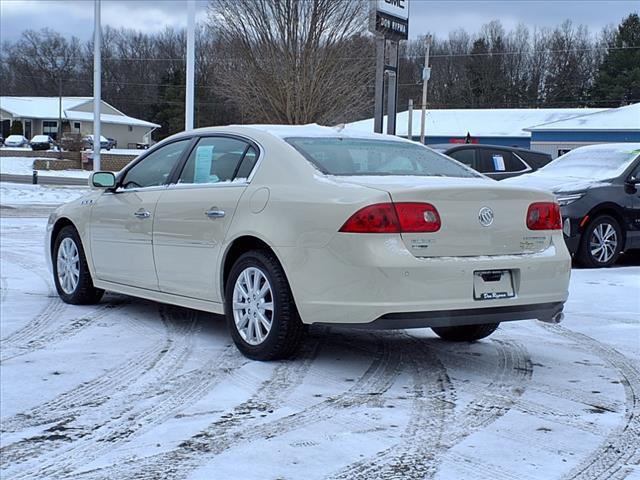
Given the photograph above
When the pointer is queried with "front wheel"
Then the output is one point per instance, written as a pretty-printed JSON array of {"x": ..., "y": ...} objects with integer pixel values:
[
  {"x": 70, "y": 270},
  {"x": 260, "y": 310},
  {"x": 465, "y": 333},
  {"x": 601, "y": 243}
]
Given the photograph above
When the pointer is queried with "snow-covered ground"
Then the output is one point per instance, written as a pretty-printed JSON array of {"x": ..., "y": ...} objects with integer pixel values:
[
  {"x": 135, "y": 389},
  {"x": 24, "y": 166},
  {"x": 12, "y": 194}
]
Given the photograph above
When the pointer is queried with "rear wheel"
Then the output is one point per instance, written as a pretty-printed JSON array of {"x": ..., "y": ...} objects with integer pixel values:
[
  {"x": 465, "y": 333},
  {"x": 260, "y": 310},
  {"x": 601, "y": 243},
  {"x": 70, "y": 270}
]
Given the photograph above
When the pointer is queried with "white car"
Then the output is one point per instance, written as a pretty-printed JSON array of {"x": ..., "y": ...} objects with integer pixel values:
[
  {"x": 282, "y": 226},
  {"x": 16, "y": 141}
]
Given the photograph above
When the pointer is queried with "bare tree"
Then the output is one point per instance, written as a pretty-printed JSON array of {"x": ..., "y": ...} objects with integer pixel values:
[{"x": 293, "y": 61}]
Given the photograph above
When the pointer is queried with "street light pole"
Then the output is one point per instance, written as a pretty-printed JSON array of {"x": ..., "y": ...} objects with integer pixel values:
[
  {"x": 426, "y": 74},
  {"x": 191, "y": 41},
  {"x": 97, "y": 86}
]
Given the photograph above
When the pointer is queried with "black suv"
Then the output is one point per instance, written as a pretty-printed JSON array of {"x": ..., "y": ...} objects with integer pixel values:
[
  {"x": 598, "y": 189},
  {"x": 495, "y": 161}
]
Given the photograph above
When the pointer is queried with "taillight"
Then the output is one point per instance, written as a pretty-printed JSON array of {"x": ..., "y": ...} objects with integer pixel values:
[
  {"x": 404, "y": 217},
  {"x": 544, "y": 216},
  {"x": 418, "y": 217}
]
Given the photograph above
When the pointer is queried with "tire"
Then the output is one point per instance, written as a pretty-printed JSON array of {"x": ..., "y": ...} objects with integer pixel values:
[
  {"x": 248, "y": 330},
  {"x": 601, "y": 230},
  {"x": 465, "y": 333},
  {"x": 78, "y": 289}
]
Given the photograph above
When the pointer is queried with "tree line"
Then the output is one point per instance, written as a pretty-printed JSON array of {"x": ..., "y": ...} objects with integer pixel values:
[{"x": 297, "y": 62}]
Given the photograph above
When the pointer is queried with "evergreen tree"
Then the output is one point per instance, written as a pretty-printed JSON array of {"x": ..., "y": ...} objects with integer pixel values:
[
  {"x": 618, "y": 79},
  {"x": 16, "y": 128}
]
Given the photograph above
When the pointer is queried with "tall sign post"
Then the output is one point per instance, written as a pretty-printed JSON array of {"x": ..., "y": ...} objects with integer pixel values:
[
  {"x": 389, "y": 20},
  {"x": 97, "y": 85},
  {"x": 190, "y": 78}
]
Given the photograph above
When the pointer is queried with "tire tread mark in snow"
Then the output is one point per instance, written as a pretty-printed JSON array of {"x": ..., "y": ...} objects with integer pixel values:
[
  {"x": 221, "y": 436},
  {"x": 158, "y": 365},
  {"x": 619, "y": 452}
]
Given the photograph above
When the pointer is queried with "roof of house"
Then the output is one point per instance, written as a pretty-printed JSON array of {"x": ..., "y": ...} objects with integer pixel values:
[
  {"x": 48, "y": 108},
  {"x": 483, "y": 122},
  {"x": 612, "y": 120}
]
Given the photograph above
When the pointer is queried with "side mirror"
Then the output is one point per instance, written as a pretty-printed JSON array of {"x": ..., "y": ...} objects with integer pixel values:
[
  {"x": 633, "y": 180},
  {"x": 102, "y": 180}
]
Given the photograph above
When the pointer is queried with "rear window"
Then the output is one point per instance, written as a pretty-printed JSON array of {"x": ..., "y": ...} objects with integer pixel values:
[{"x": 352, "y": 156}]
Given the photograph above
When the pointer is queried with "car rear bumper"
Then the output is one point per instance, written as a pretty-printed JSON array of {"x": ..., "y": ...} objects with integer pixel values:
[
  {"x": 545, "y": 312},
  {"x": 351, "y": 281}
]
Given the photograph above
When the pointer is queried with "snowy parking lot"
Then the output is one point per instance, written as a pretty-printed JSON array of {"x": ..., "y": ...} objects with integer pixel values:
[{"x": 135, "y": 389}]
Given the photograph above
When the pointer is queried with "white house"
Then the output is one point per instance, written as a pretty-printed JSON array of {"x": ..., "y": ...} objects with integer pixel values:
[{"x": 39, "y": 116}]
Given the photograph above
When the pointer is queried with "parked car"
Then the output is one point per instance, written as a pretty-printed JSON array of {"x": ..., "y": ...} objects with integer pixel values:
[
  {"x": 495, "y": 161},
  {"x": 113, "y": 143},
  {"x": 281, "y": 226},
  {"x": 104, "y": 143},
  {"x": 597, "y": 189},
  {"x": 1, "y": 140},
  {"x": 16, "y": 141},
  {"x": 42, "y": 142}
]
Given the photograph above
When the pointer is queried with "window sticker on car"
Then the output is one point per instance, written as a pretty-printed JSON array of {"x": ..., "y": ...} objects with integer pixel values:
[
  {"x": 498, "y": 163},
  {"x": 204, "y": 158}
]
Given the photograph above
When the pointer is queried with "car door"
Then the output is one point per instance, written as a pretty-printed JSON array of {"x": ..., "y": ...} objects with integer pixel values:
[
  {"x": 121, "y": 225},
  {"x": 632, "y": 209},
  {"x": 194, "y": 214}
]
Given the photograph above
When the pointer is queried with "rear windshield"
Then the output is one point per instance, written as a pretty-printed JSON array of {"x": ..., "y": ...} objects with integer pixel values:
[
  {"x": 352, "y": 156},
  {"x": 598, "y": 163}
]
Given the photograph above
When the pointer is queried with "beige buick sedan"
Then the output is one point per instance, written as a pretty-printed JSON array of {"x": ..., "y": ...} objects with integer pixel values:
[{"x": 282, "y": 226}]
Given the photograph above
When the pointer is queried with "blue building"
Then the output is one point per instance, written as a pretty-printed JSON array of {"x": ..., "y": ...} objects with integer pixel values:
[{"x": 610, "y": 126}]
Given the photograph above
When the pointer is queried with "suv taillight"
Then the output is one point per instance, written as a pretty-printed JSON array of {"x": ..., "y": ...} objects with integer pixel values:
[
  {"x": 403, "y": 217},
  {"x": 544, "y": 216}
]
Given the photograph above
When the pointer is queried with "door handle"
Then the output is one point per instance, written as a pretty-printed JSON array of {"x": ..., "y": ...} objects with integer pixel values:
[
  {"x": 214, "y": 213},
  {"x": 142, "y": 214}
]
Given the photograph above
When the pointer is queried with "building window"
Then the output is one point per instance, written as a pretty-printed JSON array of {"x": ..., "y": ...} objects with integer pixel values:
[
  {"x": 130, "y": 128},
  {"x": 76, "y": 127},
  {"x": 50, "y": 127}
]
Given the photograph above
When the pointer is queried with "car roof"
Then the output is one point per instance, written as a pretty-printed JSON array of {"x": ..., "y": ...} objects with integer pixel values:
[{"x": 286, "y": 131}]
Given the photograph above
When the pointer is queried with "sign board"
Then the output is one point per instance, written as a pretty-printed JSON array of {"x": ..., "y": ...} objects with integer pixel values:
[{"x": 390, "y": 18}]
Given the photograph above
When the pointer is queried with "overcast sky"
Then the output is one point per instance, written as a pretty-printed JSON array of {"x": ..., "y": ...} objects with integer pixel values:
[{"x": 75, "y": 17}]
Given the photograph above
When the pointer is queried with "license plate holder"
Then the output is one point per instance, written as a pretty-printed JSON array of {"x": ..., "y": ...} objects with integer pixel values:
[{"x": 493, "y": 284}]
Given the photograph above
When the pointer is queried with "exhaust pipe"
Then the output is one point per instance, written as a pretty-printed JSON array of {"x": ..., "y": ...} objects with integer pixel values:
[{"x": 555, "y": 319}]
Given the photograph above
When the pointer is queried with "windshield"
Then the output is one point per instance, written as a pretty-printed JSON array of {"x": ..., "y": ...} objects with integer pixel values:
[
  {"x": 354, "y": 156},
  {"x": 595, "y": 163}
]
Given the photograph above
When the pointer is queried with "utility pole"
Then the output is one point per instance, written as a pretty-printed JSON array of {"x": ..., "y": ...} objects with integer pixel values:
[
  {"x": 191, "y": 47},
  {"x": 426, "y": 74},
  {"x": 97, "y": 85},
  {"x": 410, "y": 120},
  {"x": 59, "y": 133}
]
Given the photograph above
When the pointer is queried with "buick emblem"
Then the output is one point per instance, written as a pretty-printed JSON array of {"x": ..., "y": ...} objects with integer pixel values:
[{"x": 485, "y": 215}]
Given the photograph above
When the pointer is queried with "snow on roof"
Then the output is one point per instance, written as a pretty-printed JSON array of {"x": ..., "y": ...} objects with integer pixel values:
[
  {"x": 315, "y": 130},
  {"x": 107, "y": 118},
  {"x": 615, "y": 119},
  {"x": 48, "y": 108},
  {"x": 485, "y": 122}
]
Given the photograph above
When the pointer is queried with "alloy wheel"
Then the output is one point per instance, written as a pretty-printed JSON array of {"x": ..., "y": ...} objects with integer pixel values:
[
  {"x": 68, "y": 265},
  {"x": 603, "y": 242},
  {"x": 253, "y": 305}
]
